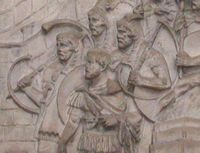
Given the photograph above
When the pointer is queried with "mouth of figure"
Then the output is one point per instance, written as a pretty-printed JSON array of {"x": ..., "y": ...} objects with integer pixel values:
[
  {"x": 120, "y": 41},
  {"x": 93, "y": 28},
  {"x": 87, "y": 75},
  {"x": 94, "y": 31},
  {"x": 87, "y": 71},
  {"x": 120, "y": 38},
  {"x": 60, "y": 54}
]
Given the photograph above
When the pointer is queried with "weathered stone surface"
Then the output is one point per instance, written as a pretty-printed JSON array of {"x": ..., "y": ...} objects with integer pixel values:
[
  {"x": 6, "y": 5},
  {"x": 22, "y": 10},
  {"x": 99, "y": 76},
  {"x": 52, "y": 6},
  {"x": 6, "y": 20},
  {"x": 8, "y": 104},
  {"x": 15, "y": 147},
  {"x": 6, "y": 118},
  {"x": 19, "y": 133},
  {"x": 38, "y": 4}
]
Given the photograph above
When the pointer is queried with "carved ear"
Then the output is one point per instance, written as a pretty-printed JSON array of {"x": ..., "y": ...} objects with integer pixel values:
[{"x": 79, "y": 47}]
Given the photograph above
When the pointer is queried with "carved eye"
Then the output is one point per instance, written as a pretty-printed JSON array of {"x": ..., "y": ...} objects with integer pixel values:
[
  {"x": 93, "y": 19},
  {"x": 65, "y": 44},
  {"x": 62, "y": 45}
]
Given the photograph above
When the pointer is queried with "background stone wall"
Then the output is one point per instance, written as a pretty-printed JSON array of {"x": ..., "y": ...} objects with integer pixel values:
[{"x": 20, "y": 21}]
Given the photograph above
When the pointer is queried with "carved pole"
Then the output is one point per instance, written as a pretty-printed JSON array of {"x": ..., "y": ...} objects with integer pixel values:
[{"x": 183, "y": 31}]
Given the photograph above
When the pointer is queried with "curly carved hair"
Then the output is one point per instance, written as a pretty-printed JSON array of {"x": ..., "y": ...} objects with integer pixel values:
[{"x": 100, "y": 56}]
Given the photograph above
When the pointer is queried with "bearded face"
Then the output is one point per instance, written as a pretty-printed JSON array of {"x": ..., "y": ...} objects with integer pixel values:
[
  {"x": 65, "y": 49},
  {"x": 124, "y": 37},
  {"x": 97, "y": 24}
]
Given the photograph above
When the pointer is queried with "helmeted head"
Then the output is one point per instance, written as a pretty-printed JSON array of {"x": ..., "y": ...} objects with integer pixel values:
[
  {"x": 129, "y": 30},
  {"x": 98, "y": 21},
  {"x": 97, "y": 61},
  {"x": 67, "y": 44}
]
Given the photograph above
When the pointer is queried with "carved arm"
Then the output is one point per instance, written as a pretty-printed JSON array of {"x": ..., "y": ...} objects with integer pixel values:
[
  {"x": 160, "y": 81},
  {"x": 184, "y": 60}
]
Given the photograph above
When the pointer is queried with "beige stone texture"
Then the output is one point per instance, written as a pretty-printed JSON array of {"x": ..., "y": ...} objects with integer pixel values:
[{"x": 99, "y": 76}]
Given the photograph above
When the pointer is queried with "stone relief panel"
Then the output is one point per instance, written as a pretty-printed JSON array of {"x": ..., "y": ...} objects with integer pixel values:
[{"x": 114, "y": 76}]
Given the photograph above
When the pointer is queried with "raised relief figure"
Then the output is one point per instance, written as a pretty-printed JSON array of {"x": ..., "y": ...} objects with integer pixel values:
[
  {"x": 107, "y": 120},
  {"x": 186, "y": 104},
  {"x": 109, "y": 101},
  {"x": 66, "y": 48},
  {"x": 191, "y": 80},
  {"x": 99, "y": 24},
  {"x": 147, "y": 72},
  {"x": 156, "y": 13},
  {"x": 142, "y": 73},
  {"x": 51, "y": 75}
]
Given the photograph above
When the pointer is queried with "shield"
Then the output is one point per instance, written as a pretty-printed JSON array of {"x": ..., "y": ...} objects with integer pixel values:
[
  {"x": 192, "y": 47},
  {"x": 26, "y": 65},
  {"x": 72, "y": 81},
  {"x": 22, "y": 64},
  {"x": 148, "y": 101}
]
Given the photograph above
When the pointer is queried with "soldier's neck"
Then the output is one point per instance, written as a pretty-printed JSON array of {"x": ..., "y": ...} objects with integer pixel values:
[
  {"x": 99, "y": 41},
  {"x": 132, "y": 48}
]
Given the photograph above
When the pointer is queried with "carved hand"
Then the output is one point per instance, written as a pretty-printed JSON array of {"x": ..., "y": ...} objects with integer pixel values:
[
  {"x": 46, "y": 88},
  {"x": 82, "y": 89},
  {"x": 110, "y": 120},
  {"x": 25, "y": 81},
  {"x": 167, "y": 99},
  {"x": 133, "y": 78},
  {"x": 183, "y": 59}
]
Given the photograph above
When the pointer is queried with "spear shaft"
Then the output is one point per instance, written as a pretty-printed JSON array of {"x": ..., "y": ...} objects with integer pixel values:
[{"x": 183, "y": 31}]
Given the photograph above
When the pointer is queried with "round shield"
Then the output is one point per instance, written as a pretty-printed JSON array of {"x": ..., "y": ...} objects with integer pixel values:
[
  {"x": 19, "y": 69},
  {"x": 27, "y": 66},
  {"x": 72, "y": 81},
  {"x": 148, "y": 99}
]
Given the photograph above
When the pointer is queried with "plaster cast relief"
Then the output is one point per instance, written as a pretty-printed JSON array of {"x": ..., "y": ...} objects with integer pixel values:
[{"x": 127, "y": 81}]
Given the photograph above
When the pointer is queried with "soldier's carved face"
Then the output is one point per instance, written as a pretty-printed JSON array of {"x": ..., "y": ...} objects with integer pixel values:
[
  {"x": 65, "y": 49},
  {"x": 124, "y": 37},
  {"x": 97, "y": 24},
  {"x": 92, "y": 69}
]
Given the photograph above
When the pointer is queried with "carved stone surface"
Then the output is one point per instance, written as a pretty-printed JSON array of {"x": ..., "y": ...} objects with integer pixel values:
[{"x": 100, "y": 76}]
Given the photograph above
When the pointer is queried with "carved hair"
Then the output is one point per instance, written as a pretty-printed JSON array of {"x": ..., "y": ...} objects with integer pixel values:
[
  {"x": 100, "y": 9},
  {"x": 132, "y": 21},
  {"x": 100, "y": 56},
  {"x": 74, "y": 37}
]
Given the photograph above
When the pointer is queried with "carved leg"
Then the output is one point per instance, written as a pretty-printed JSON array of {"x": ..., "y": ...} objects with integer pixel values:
[{"x": 69, "y": 131}]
